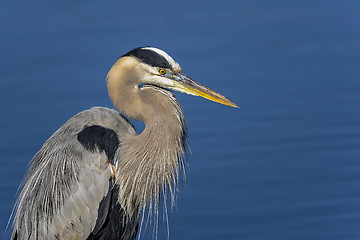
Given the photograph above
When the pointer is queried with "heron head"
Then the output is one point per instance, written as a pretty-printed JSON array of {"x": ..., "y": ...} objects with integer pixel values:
[{"x": 153, "y": 66}]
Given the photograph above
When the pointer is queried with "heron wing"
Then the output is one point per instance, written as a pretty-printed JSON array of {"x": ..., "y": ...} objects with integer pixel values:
[
  {"x": 79, "y": 212},
  {"x": 68, "y": 191},
  {"x": 113, "y": 222}
]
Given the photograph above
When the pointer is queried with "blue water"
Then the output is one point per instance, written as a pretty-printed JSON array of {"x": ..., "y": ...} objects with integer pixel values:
[{"x": 286, "y": 165}]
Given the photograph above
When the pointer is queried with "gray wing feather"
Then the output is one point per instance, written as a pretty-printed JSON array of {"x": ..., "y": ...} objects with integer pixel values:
[
  {"x": 65, "y": 183},
  {"x": 85, "y": 197}
]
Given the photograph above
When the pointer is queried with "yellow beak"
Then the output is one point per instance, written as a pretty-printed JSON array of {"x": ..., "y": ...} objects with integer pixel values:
[{"x": 187, "y": 85}]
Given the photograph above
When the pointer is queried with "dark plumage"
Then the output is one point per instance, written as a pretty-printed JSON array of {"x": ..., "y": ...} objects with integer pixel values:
[
  {"x": 101, "y": 139},
  {"x": 150, "y": 57},
  {"x": 113, "y": 222}
]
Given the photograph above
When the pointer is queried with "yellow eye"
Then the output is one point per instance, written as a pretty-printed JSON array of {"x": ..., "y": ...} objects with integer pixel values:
[{"x": 162, "y": 71}]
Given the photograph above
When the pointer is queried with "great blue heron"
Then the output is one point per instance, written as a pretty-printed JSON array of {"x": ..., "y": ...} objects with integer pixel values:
[{"x": 94, "y": 175}]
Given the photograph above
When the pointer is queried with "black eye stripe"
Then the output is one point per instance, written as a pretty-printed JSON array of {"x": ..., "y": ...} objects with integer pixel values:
[{"x": 149, "y": 57}]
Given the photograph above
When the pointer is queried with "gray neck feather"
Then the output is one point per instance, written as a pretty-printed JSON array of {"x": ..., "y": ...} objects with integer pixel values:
[{"x": 148, "y": 164}]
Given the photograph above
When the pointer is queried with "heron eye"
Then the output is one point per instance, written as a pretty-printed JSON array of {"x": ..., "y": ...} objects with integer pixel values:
[{"x": 162, "y": 71}]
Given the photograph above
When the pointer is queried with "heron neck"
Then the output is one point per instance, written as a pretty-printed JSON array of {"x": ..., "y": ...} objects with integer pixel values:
[{"x": 149, "y": 163}]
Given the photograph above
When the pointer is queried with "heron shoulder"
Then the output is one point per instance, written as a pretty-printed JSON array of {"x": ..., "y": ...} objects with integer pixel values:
[
  {"x": 104, "y": 117},
  {"x": 97, "y": 138}
]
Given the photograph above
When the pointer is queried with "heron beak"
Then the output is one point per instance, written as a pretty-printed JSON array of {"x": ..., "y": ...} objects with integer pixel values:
[{"x": 187, "y": 85}]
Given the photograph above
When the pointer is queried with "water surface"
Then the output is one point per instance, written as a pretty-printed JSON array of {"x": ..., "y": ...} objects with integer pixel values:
[{"x": 286, "y": 165}]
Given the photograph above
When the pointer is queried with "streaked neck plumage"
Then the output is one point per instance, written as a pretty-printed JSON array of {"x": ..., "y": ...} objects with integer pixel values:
[{"x": 148, "y": 164}]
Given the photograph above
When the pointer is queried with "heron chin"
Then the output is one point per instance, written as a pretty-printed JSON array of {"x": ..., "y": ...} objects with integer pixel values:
[{"x": 95, "y": 175}]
